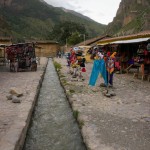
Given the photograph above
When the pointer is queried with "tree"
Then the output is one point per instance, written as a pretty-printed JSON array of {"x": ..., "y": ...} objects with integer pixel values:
[
  {"x": 70, "y": 31},
  {"x": 74, "y": 38}
]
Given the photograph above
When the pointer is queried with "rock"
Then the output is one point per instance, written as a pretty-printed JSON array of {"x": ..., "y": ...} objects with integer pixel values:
[
  {"x": 74, "y": 79},
  {"x": 15, "y": 99},
  {"x": 112, "y": 94},
  {"x": 9, "y": 97},
  {"x": 119, "y": 102},
  {"x": 107, "y": 95},
  {"x": 80, "y": 80},
  {"x": 111, "y": 86},
  {"x": 16, "y": 91},
  {"x": 105, "y": 92},
  {"x": 147, "y": 119},
  {"x": 103, "y": 85}
]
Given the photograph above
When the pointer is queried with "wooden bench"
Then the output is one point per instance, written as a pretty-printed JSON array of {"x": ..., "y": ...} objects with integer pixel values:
[
  {"x": 132, "y": 66},
  {"x": 143, "y": 76}
]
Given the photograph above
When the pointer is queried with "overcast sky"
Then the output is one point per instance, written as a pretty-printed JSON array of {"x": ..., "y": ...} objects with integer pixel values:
[{"x": 102, "y": 11}]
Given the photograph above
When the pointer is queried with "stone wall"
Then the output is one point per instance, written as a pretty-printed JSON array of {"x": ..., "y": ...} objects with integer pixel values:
[{"x": 46, "y": 49}]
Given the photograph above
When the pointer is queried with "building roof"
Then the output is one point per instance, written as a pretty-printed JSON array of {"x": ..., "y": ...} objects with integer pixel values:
[
  {"x": 5, "y": 39},
  {"x": 2, "y": 45},
  {"x": 47, "y": 42},
  {"x": 142, "y": 36},
  {"x": 93, "y": 40}
]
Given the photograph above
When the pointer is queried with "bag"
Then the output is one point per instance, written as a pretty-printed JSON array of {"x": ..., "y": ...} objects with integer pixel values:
[{"x": 83, "y": 70}]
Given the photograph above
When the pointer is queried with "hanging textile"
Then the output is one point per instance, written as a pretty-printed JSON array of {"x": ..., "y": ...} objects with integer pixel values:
[
  {"x": 99, "y": 67},
  {"x": 110, "y": 65}
]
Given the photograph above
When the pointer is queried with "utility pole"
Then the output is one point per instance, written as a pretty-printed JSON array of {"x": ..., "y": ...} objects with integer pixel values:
[{"x": 84, "y": 39}]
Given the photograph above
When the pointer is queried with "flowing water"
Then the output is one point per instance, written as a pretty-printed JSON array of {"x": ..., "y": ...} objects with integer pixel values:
[{"x": 53, "y": 126}]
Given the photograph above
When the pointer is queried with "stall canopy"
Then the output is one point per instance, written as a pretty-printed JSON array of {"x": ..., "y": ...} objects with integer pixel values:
[
  {"x": 130, "y": 41},
  {"x": 126, "y": 41}
]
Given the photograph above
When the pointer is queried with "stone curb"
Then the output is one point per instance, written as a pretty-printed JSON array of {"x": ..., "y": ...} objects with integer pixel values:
[{"x": 79, "y": 118}]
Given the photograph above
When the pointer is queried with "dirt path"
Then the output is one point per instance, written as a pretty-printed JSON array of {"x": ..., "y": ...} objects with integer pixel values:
[
  {"x": 14, "y": 117},
  {"x": 121, "y": 122}
]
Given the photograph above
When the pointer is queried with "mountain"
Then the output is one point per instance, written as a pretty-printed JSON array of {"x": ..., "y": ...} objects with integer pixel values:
[
  {"x": 132, "y": 17},
  {"x": 77, "y": 14},
  {"x": 35, "y": 19}
]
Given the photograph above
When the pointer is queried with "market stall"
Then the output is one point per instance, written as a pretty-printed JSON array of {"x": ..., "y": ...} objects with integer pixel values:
[
  {"x": 22, "y": 57},
  {"x": 133, "y": 53},
  {"x": 142, "y": 58}
]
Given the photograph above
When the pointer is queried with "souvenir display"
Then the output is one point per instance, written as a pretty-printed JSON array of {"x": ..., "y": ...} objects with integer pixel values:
[{"x": 21, "y": 56}]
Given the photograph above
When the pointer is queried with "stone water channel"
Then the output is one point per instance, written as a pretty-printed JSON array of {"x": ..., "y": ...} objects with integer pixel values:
[{"x": 53, "y": 126}]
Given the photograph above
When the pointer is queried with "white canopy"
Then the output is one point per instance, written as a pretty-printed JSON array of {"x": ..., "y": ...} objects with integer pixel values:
[
  {"x": 126, "y": 41},
  {"x": 130, "y": 41}
]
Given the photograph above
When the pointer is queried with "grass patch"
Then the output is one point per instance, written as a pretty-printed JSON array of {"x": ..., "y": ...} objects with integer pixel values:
[
  {"x": 57, "y": 66},
  {"x": 63, "y": 81},
  {"x": 72, "y": 91},
  {"x": 62, "y": 76},
  {"x": 81, "y": 124},
  {"x": 75, "y": 114}
]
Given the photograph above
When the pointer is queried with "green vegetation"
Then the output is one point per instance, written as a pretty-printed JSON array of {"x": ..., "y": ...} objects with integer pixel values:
[
  {"x": 33, "y": 19},
  {"x": 81, "y": 124},
  {"x": 62, "y": 76},
  {"x": 76, "y": 114},
  {"x": 36, "y": 20},
  {"x": 72, "y": 91},
  {"x": 64, "y": 81},
  {"x": 139, "y": 14},
  {"x": 69, "y": 31},
  {"x": 57, "y": 66}
]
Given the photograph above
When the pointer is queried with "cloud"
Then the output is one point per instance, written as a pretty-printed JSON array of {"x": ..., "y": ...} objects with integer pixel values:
[{"x": 102, "y": 11}]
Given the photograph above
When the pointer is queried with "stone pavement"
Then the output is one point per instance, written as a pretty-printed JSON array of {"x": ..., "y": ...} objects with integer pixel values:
[
  {"x": 14, "y": 117},
  {"x": 121, "y": 122}
]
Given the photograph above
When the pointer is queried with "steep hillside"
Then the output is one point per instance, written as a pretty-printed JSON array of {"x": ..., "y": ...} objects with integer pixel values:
[
  {"x": 35, "y": 19},
  {"x": 132, "y": 17}
]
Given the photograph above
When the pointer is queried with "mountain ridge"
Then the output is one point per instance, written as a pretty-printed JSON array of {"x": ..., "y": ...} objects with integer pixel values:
[
  {"x": 131, "y": 18},
  {"x": 36, "y": 19}
]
